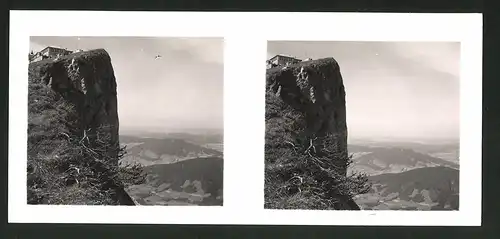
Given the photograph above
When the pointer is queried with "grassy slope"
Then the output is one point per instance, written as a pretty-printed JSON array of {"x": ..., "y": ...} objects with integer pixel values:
[{"x": 60, "y": 170}]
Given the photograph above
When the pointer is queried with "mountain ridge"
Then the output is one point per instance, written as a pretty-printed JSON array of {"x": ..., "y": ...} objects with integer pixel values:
[
  {"x": 197, "y": 181},
  {"x": 378, "y": 160},
  {"x": 150, "y": 151},
  {"x": 428, "y": 188}
]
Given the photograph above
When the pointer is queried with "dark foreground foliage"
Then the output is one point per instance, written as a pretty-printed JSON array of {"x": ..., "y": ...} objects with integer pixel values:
[
  {"x": 67, "y": 164},
  {"x": 305, "y": 171}
]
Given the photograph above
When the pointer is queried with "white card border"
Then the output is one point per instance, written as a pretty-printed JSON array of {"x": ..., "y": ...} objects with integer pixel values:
[{"x": 246, "y": 34}]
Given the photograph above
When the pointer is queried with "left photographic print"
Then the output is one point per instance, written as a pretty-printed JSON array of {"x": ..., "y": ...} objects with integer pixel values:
[{"x": 125, "y": 121}]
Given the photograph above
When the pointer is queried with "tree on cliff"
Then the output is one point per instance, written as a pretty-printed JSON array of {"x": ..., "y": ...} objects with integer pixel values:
[
  {"x": 68, "y": 165},
  {"x": 305, "y": 171}
]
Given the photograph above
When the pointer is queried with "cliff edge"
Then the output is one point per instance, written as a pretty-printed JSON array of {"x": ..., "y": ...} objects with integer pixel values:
[
  {"x": 73, "y": 146},
  {"x": 306, "y": 139}
]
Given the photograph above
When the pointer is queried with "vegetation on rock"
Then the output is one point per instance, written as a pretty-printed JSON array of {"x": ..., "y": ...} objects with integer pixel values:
[
  {"x": 69, "y": 162},
  {"x": 305, "y": 171}
]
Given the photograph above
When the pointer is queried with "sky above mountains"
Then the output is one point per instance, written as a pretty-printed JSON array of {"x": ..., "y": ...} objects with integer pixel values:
[
  {"x": 393, "y": 89},
  {"x": 182, "y": 89}
]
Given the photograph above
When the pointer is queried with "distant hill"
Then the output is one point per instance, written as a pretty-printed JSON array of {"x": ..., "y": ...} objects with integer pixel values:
[
  {"x": 430, "y": 188},
  {"x": 447, "y": 150},
  {"x": 197, "y": 136},
  {"x": 196, "y": 181},
  {"x": 378, "y": 160},
  {"x": 198, "y": 139},
  {"x": 150, "y": 151}
]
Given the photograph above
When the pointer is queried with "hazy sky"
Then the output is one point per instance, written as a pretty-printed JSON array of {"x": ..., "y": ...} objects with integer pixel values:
[
  {"x": 393, "y": 89},
  {"x": 183, "y": 89}
]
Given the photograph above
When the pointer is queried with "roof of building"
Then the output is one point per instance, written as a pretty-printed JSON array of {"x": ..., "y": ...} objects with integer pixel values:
[
  {"x": 53, "y": 47},
  {"x": 284, "y": 56}
]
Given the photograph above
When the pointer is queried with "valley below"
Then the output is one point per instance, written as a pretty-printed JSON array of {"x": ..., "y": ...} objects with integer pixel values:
[
  {"x": 181, "y": 169},
  {"x": 187, "y": 170},
  {"x": 408, "y": 175}
]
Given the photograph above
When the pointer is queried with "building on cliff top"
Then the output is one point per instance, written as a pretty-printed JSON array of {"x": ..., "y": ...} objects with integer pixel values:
[
  {"x": 49, "y": 52},
  {"x": 281, "y": 60}
]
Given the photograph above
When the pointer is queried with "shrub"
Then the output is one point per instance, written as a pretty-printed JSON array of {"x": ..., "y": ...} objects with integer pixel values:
[
  {"x": 305, "y": 171},
  {"x": 67, "y": 165}
]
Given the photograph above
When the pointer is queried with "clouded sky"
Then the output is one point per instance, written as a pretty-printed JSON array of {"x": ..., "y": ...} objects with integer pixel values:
[
  {"x": 183, "y": 89},
  {"x": 393, "y": 89}
]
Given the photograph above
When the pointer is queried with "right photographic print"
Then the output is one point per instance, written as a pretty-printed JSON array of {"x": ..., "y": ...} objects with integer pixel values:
[{"x": 362, "y": 125}]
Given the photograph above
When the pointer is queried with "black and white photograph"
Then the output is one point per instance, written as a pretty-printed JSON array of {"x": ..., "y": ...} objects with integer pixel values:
[
  {"x": 117, "y": 118},
  {"x": 362, "y": 125},
  {"x": 125, "y": 121}
]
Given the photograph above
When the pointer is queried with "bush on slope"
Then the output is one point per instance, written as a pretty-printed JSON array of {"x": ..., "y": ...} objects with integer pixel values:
[
  {"x": 66, "y": 165},
  {"x": 304, "y": 172}
]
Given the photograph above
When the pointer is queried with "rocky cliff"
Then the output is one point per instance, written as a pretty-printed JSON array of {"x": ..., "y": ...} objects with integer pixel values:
[
  {"x": 316, "y": 90},
  {"x": 73, "y": 130},
  {"x": 306, "y": 136},
  {"x": 87, "y": 80}
]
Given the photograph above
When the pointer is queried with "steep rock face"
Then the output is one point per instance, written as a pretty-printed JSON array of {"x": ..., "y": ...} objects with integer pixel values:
[
  {"x": 306, "y": 119},
  {"x": 314, "y": 88},
  {"x": 87, "y": 81}
]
